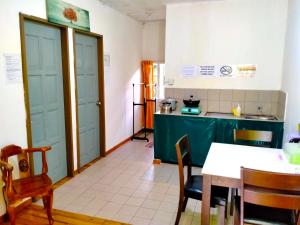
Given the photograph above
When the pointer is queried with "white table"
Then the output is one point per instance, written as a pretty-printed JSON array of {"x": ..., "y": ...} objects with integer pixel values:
[{"x": 223, "y": 165}]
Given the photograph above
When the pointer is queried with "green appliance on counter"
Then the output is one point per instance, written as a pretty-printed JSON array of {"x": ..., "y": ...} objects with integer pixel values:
[
  {"x": 191, "y": 106},
  {"x": 191, "y": 110}
]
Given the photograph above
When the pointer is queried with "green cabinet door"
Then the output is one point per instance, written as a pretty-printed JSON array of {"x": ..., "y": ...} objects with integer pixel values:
[
  {"x": 168, "y": 129},
  {"x": 275, "y": 127},
  {"x": 225, "y": 128}
]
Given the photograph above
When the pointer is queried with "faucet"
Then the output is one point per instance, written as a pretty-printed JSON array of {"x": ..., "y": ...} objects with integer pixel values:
[{"x": 260, "y": 109}]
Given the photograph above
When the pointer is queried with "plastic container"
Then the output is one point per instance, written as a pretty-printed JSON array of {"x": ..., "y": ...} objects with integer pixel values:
[
  {"x": 238, "y": 110},
  {"x": 292, "y": 152}
]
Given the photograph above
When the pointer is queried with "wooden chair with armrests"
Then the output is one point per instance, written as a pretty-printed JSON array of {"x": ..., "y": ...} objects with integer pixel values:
[
  {"x": 268, "y": 198},
  {"x": 26, "y": 186},
  {"x": 192, "y": 187},
  {"x": 254, "y": 138}
]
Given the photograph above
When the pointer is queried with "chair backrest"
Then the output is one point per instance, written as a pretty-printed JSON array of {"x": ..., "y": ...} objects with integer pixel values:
[
  {"x": 253, "y": 137},
  {"x": 183, "y": 152},
  {"x": 278, "y": 190},
  {"x": 22, "y": 157}
]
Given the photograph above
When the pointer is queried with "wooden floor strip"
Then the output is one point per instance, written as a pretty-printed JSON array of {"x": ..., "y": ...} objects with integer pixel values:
[{"x": 34, "y": 214}]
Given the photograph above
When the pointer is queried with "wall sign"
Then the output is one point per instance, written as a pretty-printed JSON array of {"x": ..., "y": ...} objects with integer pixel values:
[
  {"x": 13, "y": 68},
  {"x": 234, "y": 71},
  {"x": 66, "y": 14}
]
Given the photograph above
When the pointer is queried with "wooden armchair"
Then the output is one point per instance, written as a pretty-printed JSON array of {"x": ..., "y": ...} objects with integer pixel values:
[{"x": 27, "y": 185}]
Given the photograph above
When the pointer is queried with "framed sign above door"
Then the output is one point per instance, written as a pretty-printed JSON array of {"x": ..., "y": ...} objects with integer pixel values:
[{"x": 66, "y": 14}]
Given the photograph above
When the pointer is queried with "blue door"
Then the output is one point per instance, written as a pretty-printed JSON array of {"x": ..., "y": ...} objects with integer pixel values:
[
  {"x": 46, "y": 98},
  {"x": 88, "y": 97}
]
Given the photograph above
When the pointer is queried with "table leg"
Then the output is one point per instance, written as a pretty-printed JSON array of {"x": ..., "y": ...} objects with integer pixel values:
[{"x": 206, "y": 194}]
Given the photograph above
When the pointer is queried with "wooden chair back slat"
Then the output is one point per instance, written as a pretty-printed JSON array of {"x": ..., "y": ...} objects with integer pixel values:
[
  {"x": 184, "y": 158},
  {"x": 276, "y": 200},
  {"x": 252, "y": 135},
  {"x": 271, "y": 180},
  {"x": 269, "y": 189}
]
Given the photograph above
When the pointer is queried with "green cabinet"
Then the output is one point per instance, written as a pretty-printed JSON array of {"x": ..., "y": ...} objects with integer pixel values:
[
  {"x": 202, "y": 132},
  {"x": 168, "y": 129}
]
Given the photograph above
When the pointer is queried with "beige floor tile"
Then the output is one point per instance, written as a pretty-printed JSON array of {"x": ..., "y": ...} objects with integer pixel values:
[
  {"x": 145, "y": 213},
  {"x": 123, "y": 217},
  {"x": 119, "y": 199},
  {"x": 135, "y": 201},
  {"x": 128, "y": 210},
  {"x": 168, "y": 207},
  {"x": 151, "y": 204},
  {"x": 165, "y": 217},
  {"x": 139, "y": 221},
  {"x": 126, "y": 191}
]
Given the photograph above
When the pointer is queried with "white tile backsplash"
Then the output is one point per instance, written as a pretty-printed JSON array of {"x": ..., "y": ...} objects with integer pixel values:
[{"x": 216, "y": 100}]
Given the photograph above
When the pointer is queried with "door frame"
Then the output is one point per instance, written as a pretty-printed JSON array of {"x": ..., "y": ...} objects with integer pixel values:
[
  {"x": 100, "y": 93},
  {"x": 66, "y": 87}
]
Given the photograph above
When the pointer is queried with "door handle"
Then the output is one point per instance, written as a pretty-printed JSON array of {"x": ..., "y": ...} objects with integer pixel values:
[{"x": 98, "y": 103}]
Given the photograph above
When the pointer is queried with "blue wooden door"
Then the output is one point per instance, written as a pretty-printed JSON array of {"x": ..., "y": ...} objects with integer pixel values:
[
  {"x": 88, "y": 97},
  {"x": 46, "y": 99}
]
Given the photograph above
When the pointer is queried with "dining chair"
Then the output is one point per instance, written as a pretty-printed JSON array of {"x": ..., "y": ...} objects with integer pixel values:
[
  {"x": 268, "y": 198},
  {"x": 192, "y": 187},
  {"x": 253, "y": 138},
  {"x": 26, "y": 186}
]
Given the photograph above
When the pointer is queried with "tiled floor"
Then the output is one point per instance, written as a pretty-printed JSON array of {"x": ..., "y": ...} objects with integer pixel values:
[{"x": 126, "y": 186}]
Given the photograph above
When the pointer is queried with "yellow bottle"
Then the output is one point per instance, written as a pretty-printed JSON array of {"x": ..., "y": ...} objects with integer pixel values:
[{"x": 237, "y": 111}]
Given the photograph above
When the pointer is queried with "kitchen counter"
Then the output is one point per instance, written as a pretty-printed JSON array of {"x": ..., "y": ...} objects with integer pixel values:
[{"x": 217, "y": 116}]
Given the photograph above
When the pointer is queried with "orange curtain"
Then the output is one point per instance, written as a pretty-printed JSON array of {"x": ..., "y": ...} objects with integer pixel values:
[{"x": 148, "y": 78}]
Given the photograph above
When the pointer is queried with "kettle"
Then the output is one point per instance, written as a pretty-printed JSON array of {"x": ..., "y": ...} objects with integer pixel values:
[
  {"x": 165, "y": 107},
  {"x": 172, "y": 102}
]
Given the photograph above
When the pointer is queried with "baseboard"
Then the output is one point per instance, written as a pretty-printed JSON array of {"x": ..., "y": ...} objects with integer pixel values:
[
  {"x": 121, "y": 143},
  {"x": 87, "y": 165},
  {"x": 117, "y": 146},
  {"x": 18, "y": 209}
]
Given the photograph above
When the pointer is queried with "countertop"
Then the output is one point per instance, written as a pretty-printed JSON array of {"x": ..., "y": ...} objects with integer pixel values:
[{"x": 216, "y": 115}]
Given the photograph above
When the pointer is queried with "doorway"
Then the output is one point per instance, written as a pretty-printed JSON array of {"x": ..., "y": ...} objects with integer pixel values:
[
  {"x": 88, "y": 54},
  {"x": 47, "y": 96}
]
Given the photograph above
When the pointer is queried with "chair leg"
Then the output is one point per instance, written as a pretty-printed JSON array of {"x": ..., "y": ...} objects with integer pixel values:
[
  {"x": 48, "y": 203},
  {"x": 233, "y": 190},
  {"x": 12, "y": 215},
  {"x": 184, "y": 203},
  {"x": 221, "y": 215},
  {"x": 180, "y": 206},
  {"x": 236, "y": 219}
]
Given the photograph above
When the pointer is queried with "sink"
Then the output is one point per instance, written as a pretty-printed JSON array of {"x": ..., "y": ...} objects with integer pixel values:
[
  {"x": 218, "y": 114},
  {"x": 260, "y": 117},
  {"x": 244, "y": 116}
]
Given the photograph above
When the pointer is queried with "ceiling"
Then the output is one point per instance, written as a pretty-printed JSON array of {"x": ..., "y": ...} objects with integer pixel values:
[{"x": 143, "y": 10}]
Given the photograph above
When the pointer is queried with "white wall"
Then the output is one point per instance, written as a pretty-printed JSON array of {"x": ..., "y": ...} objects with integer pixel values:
[
  {"x": 227, "y": 32},
  {"x": 291, "y": 72},
  {"x": 154, "y": 34},
  {"x": 122, "y": 40}
]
